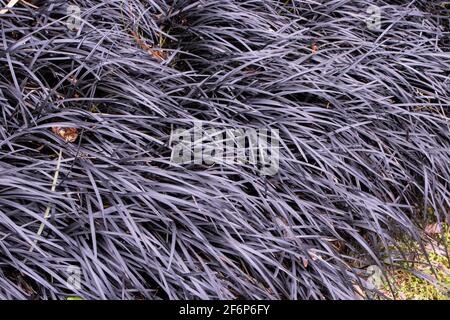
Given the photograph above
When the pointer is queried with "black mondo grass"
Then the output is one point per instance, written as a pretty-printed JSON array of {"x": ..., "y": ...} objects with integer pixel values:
[{"x": 363, "y": 119}]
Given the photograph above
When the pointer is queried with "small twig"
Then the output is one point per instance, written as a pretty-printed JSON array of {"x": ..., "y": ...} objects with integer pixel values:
[
  {"x": 47, "y": 211},
  {"x": 11, "y": 4}
]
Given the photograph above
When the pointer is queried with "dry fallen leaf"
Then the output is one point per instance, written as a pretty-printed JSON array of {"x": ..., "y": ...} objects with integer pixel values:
[
  {"x": 305, "y": 262},
  {"x": 339, "y": 245},
  {"x": 158, "y": 54},
  {"x": 434, "y": 228},
  {"x": 68, "y": 134},
  {"x": 359, "y": 293}
]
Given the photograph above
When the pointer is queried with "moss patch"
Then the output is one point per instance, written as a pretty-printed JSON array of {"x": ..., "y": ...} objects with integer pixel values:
[{"x": 410, "y": 286}]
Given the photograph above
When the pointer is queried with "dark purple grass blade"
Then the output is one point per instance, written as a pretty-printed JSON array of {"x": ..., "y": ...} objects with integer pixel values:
[{"x": 364, "y": 146}]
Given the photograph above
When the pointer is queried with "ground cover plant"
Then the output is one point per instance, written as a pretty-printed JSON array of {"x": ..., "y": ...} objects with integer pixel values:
[
  {"x": 92, "y": 207},
  {"x": 415, "y": 285}
]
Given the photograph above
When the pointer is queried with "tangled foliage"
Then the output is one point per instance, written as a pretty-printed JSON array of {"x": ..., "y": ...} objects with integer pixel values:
[{"x": 362, "y": 116}]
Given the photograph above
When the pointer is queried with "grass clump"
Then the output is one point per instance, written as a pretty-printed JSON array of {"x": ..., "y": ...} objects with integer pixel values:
[
  {"x": 424, "y": 277},
  {"x": 363, "y": 122}
]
